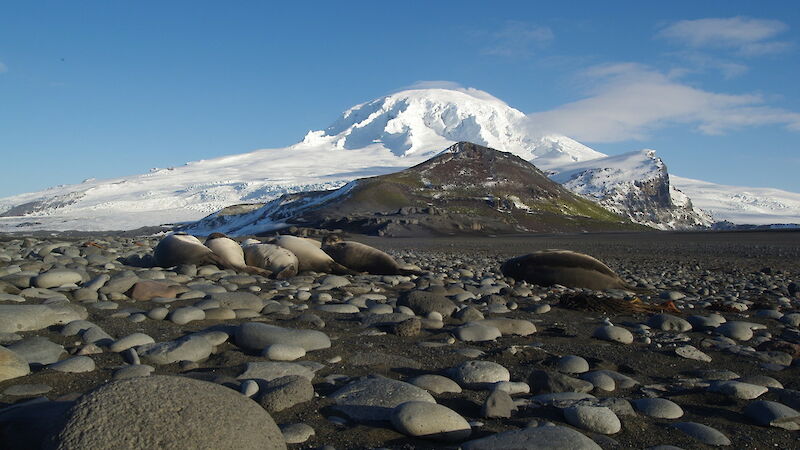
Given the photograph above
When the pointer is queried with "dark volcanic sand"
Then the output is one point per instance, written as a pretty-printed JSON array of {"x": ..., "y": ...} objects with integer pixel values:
[{"x": 750, "y": 265}]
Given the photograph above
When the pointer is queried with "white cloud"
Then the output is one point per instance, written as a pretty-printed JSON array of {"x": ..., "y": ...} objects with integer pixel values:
[
  {"x": 628, "y": 101},
  {"x": 518, "y": 39},
  {"x": 434, "y": 84},
  {"x": 748, "y": 36}
]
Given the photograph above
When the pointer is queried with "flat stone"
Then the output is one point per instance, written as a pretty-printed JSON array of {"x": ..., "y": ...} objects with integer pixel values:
[
  {"x": 429, "y": 421},
  {"x": 613, "y": 334},
  {"x": 189, "y": 348},
  {"x": 57, "y": 277},
  {"x": 476, "y": 332},
  {"x": 668, "y": 322},
  {"x": 145, "y": 290},
  {"x": 12, "y": 365},
  {"x": 543, "y": 382},
  {"x": 737, "y": 389},
  {"x": 703, "y": 433},
  {"x": 597, "y": 419},
  {"x": 436, "y": 384},
  {"x": 283, "y": 352},
  {"x": 133, "y": 371},
  {"x": 338, "y": 308},
  {"x": 284, "y": 392},
  {"x": 269, "y": 370},
  {"x": 600, "y": 381},
  {"x": 16, "y": 318},
  {"x": 373, "y": 398},
  {"x": 238, "y": 300},
  {"x": 27, "y": 390},
  {"x": 690, "y": 352},
  {"x": 622, "y": 381},
  {"x": 38, "y": 350},
  {"x": 256, "y": 336},
  {"x": 76, "y": 364},
  {"x": 186, "y": 314},
  {"x": 773, "y": 414},
  {"x": 296, "y": 433},
  {"x": 659, "y": 408},
  {"x": 544, "y": 438},
  {"x": 131, "y": 340},
  {"x": 102, "y": 418},
  {"x": 761, "y": 380},
  {"x": 479, "y": 374}
]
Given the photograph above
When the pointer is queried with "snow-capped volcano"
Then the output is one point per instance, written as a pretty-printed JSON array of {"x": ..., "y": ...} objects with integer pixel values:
[{"x": 374, "y": 138}]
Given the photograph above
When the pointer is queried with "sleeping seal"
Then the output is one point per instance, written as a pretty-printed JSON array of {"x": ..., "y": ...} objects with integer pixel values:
[
  {"x": 177, "y": 249},
  {"x": 280, "y": 261},
  {"x": 362, "y": 258},
  {"x": 311, "y": 257},
  {"x": 232, "y": 252},
  {"x": 564, "y": 267}
]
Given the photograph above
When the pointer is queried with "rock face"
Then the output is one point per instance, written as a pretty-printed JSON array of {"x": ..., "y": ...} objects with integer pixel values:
[
  {"x": 635, "y": 185},
  {"x": 170, "y": 412},
  {"x": 439, "y": 195}
]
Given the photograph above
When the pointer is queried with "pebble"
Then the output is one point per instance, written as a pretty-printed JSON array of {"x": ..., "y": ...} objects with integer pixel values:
[
  {"x": 744, "y": 391},
  {"x": 256, "y": 336},
  {"x": 668, "y": 322},
  {"x": 690, "y": 352},
  {"x": 374, "y": 398},
  {"x": 545, "y": 437},
  {"x": 660, "y": 408},
  {"x": 283, "y": 352},
  {"x": 597, "y": 419},
  {"x": 479, "y": 374},
  {"x": 543, "y": 382},
  {"x": 12, "y": 365},
  {"x": 76, "y": 364},
  {"x": 429, "y": 421},
  {"x": 477, "y": 332},
  {"x": 436, "y": 384},
  {"x": 38, "y": 350},
  {"x": 284, "y": 392},
  {"x": 600, "y": 381},
  {"x": 189, "y": 348},
  {"x": 498, "y": 404},
  {"x": 508, "y": 327},
  {"x": 703, "y": 433},
  {"x": 131, "y": 340},
  {"x": 773, "y": 414},
  {"x": 741, "y": 331},
  {"x": 186, "y": 314},
  {"x": 16, "y": 318},
  {"x": 296, "y": 433},
  {"x": 57, "y": 277},
  {"x": 613, "y": 334},
  {"x": 572, "y": 364},
  {"x": 133, "y": 371}
]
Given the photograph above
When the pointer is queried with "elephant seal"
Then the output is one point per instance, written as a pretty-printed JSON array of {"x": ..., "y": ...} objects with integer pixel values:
[
  {"x": 564, "y": 267},
  {"x": 232, "y": 252},
  {"x": 280, "y": 261},
  {"x": 311, "y": 257},
  {"x": 363, "y": 258}
]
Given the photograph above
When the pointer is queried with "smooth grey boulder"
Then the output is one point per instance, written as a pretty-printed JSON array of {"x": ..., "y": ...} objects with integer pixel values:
[
  {"x": 668, "y": 322},
  {"x": 186, "y": 314},
  {"x": 479, "y": 374},
  {"x": 38, "y": 350},
  {"x": 773, "y": 414},
  {"x": 572, "y": 364},
  {"x": 57, "y": 277},
  {"x": 373, "y": 398},
  {"x": 703, "y": 433},
  {"x": 507, "y": 326},
  {"x": 744, "y": 391},
  {"x": 430, "y": 421},
  {"x": 15, "y": 318},
  {"x": 613, "y": 334},
  {"x": 476, "y": 332},
  {"x": 436, "y": 384},
  {"x": 256, "y": 336},
  {"x": 659, "y": 408},
  {"x": 297, "y": 433},
  {"x": 544, "y": 438},
  {"x": 741, "y": 331},
  {"x": 169, "y": 412},
  {"x": 131, "y": 340},
  {"x": 597, "y": 419},
  {"x": 189, "y": 348},
  {"x": 12, "y": 365},
  {"x": 285, "y": 392}
]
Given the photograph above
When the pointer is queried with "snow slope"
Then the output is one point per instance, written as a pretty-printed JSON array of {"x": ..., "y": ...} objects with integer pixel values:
[
  {"x": 742, "y": 205},
  {"x": 381, "y": 136}
]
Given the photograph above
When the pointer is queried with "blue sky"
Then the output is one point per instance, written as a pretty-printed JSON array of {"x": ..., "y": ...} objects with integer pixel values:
[{"x": 103, "y": 89}]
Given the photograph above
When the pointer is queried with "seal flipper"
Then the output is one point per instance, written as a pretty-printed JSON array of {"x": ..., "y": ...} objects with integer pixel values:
[
  {"x": 339, "y": 269},
  {"x": 288, "y": 272}
]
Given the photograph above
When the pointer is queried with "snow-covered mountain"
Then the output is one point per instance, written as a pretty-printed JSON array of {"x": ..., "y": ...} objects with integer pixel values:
[
  {"x": 634, "y": 184},
  {"x": 378, "y": 137}
]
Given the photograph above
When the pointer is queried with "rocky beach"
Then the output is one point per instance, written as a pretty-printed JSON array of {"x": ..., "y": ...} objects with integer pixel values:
[{"x": 100, "y": 349}]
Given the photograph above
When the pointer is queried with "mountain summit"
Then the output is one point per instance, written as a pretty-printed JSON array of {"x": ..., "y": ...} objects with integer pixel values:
[{"x": 466, "y": 188}]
